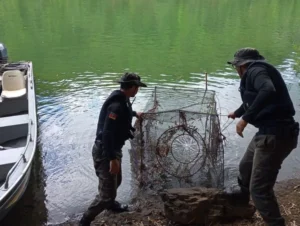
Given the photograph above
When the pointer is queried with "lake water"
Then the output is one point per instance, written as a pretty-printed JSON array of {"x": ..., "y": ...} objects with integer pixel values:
[{"x": 80, "y": 48}]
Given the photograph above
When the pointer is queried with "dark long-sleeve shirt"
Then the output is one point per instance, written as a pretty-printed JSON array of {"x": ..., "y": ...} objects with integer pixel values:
[
  {"x": 264, "y": 87},
  {"x": 114, "y": 123},
  {"x": 266, "y": 101}
]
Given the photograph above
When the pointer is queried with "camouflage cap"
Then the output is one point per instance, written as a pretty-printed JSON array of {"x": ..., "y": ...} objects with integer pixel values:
[
  {"x": 245, "y": 55},
  {"x": 133, "y": 79}
]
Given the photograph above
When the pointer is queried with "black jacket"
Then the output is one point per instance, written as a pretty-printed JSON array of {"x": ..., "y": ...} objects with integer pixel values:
[
  {"x": 266, "y": 101},
  {"x": 114, "y": 124}
]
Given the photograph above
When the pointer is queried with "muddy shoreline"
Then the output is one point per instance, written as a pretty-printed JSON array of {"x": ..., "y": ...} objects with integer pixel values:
[{"x": 147, "y": 210}]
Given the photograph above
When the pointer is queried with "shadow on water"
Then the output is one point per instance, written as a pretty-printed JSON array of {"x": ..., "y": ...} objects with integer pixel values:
[{"x": 30, "y": 210}]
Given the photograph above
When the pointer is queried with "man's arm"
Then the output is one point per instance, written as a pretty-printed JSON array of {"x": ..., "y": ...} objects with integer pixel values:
[
  {"x": 240, "y": 111},
  {"x": 264, "y": 86},
  {"x": 137, "y": 114},
  {"x": 109, "y": 129}
]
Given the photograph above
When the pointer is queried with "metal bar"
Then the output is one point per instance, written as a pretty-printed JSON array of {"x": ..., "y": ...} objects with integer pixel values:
[
  {"x": 181, "y": 89},
  {"x": 205, "y": 81},
  {"x": 141, "y": 153},
  {"x": 22, "y": 156},
  {"x": 155, "y": 97},
  {"x": 177, "y": 110}
]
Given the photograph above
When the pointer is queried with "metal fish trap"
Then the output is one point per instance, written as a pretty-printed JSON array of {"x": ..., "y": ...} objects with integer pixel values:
[{"x": 178, "y": 142}]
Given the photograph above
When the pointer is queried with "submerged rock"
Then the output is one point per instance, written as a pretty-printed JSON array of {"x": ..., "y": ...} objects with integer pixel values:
[{"x": 202, "y": 206}]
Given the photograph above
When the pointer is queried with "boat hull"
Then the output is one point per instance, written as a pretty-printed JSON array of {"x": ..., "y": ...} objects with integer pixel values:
[
  {"x": 15, "y": 195},
  {"x": 17, "y": 178}
]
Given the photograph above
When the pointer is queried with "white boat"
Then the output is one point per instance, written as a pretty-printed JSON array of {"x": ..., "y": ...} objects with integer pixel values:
[{"x": 18, "y": 129}]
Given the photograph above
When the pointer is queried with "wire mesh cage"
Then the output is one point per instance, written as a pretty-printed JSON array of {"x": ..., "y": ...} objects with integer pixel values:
[{"x": 178, "y": 142}]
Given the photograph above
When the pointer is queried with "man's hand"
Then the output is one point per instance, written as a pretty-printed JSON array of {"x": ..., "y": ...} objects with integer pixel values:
[
  {"x": 231, "y": 115},
  {"x": 139, "y": 115},
  {"x": 240, "y": 127},
  {"x": 114, "y": 166}
]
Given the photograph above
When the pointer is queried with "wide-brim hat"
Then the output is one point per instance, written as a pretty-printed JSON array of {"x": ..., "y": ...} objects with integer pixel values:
[
  {"x": 246, "y": 55},
  {"x": 132, "y": 79}
]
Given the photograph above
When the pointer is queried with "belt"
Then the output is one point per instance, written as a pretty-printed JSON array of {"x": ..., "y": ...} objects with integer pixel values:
[
  {"x": 280, "y": 131},
  {"x": 99, "y": 144}
]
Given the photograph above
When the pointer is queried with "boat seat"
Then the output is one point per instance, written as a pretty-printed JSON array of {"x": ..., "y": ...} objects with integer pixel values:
[
  {"x": 8, "y": 158},
  {"x": 13, "y": 84},
  {"x": 13, "y": 127}
]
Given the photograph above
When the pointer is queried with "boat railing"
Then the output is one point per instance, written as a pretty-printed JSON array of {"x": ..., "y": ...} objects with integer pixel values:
[{"x": 22, "y": 156}]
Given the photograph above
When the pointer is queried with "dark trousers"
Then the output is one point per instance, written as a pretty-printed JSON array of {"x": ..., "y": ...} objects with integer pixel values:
[
  {"x": 259, "y": 169},
  {"x": 108, "y": 184}
]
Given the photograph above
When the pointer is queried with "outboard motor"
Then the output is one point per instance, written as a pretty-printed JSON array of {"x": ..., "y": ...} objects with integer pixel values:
[{"x": 3, "y": 54}]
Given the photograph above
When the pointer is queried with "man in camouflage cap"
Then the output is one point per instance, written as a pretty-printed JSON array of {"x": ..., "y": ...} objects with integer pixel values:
[
  {"x": 266, "y": 105},
  {"x": 114, "y": 128}
]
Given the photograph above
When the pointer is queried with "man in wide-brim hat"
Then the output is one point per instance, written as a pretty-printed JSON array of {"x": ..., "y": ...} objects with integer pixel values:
[{"x": 266, "y": 105}]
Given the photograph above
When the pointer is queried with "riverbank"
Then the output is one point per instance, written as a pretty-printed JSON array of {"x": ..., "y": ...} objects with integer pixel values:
[{"x": 148, "y": 210}]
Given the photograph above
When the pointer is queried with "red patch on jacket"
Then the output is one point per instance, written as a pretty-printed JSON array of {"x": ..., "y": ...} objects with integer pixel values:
[{"x": 112, "y": 115}]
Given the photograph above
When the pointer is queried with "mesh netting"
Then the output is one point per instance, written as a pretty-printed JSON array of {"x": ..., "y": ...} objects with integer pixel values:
[{"x": 178, "y": 143}]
